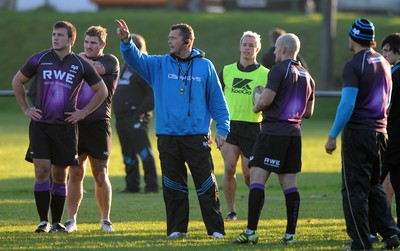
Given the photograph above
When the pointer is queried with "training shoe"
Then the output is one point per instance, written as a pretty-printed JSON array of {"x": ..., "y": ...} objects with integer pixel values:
[
  {"x": 129, "y": 191},
  {"x": 373, "y": 238},
  {"x": 43, "y": 227},
  {"x": 288, "y": 241},
  {"x": 177, "y": 235},
  {"x": 231, "y": 217},
  {"x": 71, "y": 226},
  {"x": 246, "y": 238},
  {"x": 107, "y": 226},
  {"x": 217, "y": 235},
  {"x": 391, "y": 243},
  {"x": 58, "y": 228}
]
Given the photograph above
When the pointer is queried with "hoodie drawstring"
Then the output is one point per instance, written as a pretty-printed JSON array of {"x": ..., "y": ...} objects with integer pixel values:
[{"x": 185, "y": 76}]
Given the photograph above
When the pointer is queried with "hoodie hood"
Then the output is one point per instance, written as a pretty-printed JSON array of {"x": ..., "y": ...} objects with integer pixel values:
[{"x": 196, "y": 52}]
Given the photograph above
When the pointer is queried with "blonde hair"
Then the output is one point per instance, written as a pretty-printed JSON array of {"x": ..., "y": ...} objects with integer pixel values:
[{"x": 254, "y": 35}]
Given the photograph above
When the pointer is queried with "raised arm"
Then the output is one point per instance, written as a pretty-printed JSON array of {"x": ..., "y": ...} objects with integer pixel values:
[{"x": 123, "y": 30}]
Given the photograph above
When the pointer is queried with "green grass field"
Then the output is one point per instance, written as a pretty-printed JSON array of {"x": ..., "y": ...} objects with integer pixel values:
[{"x": 140, "y": 219}]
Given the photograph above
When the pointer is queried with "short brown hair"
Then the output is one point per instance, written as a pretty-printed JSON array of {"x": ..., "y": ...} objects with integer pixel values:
[
  {"x": 97, "y": 31},
  {"x": 275, "y": 33},
  {"x": 71, "y": 30},
  {"x": 186, "y": 30}
]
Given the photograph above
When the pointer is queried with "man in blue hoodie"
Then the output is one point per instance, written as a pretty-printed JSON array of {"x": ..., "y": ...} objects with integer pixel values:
[{"x": 187, "y": 95}]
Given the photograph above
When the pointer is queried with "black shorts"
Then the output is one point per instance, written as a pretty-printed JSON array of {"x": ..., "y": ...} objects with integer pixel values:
[
  {"x": 278, "y": 154},
  {"x": 243, "y": 135},
  {"x": 95, "y": 139},
  {"x": 56, "y": 142}
]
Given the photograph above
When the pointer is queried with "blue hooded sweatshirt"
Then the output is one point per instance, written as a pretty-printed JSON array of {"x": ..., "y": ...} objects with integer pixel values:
[{"x": 187, "y": 93}]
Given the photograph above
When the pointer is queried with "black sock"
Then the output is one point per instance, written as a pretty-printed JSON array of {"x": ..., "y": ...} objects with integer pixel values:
[
  {"x": 255, "y": 205},
  {"x": 42, "y": 199},
  {"x": 292, "y": 197},
  {"x": 57, "y": 207}
]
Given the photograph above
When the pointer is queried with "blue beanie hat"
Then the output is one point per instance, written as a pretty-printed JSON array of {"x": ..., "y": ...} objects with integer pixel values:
[{"x": 362, "y": 31}]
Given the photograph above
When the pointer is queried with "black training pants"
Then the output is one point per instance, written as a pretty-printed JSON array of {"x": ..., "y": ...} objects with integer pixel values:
[
  {"x": 364, "y": 200},
  {"x": 175, "y": 153}
]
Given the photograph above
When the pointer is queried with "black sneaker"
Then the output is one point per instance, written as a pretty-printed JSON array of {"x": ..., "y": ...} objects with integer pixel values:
[
  {"x": 58, "y": 228},
  {"x": 391, "y": 243},
  {"x": 246, "y": 238},
  {"x": 373, "y": 238},
  {"x": 149, "y": 191},
  {"x": 288, "y": 241},
  {"x": 129, "y": 191},
  {"x": 43, "y": 227}
]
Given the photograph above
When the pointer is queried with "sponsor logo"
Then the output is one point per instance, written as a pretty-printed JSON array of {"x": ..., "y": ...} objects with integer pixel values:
[
  {"x": 58, "y": 75},
  {"x": 187, "y": 78},
  {"x": 272, "y": 162},
  {"x": 355, "y": 31},
  {"x": 241, "y": 85},
  {"x": 374, "y": 60},
  {"x": 74, "y": 69},
  {"x": 300, "y": 73}
]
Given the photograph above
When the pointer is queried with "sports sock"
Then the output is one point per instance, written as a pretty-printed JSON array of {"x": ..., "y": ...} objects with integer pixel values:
[
  {"x": 292, "y": 198},
  {"x": 255, "y": 205},
  {"x": 42, "y": 199},
  {"x": 58, "y": 195},
  {"x": 104, "y": 220}
]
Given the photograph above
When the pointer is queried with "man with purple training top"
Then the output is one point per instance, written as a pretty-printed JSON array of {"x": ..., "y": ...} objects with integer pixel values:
[
  {"x": 287, "y": 98},
  {"x": 53, "y": 127},
  {"x": 361, "y": 115},
  {"x": 94, "y": 133}
]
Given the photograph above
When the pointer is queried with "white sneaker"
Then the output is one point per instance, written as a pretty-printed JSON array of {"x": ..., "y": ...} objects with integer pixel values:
[
  {"x": 43, "y": 227},
  {"x": 177, "y": 235},
  {"x": 107, "y": 226},
  {"x": 217, "y": 235},
  {"x": 71, "y": 226}
]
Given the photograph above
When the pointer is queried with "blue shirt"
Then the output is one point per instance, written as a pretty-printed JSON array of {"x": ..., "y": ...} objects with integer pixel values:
[{"x": 187, "y": 93}]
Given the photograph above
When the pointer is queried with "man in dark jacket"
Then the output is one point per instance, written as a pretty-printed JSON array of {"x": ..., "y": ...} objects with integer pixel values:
[{"x": 133, "y": 107}]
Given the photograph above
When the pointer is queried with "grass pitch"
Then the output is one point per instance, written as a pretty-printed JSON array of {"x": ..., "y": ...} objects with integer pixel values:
[{"x": 140, "y": 219}]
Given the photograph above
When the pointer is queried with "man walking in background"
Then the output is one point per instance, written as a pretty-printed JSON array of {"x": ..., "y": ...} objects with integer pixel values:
[{"x": 133, "y": 107}]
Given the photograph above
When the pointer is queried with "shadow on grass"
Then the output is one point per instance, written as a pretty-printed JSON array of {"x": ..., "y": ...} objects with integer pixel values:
[{"x": 320, "y": 194}]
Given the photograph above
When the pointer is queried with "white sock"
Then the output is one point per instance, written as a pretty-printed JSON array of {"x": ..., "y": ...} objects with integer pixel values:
[
  {"x": 103, "y": 220},
  {"x": 288, "y": 236},
  {"x": 248, "y": 231}
]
